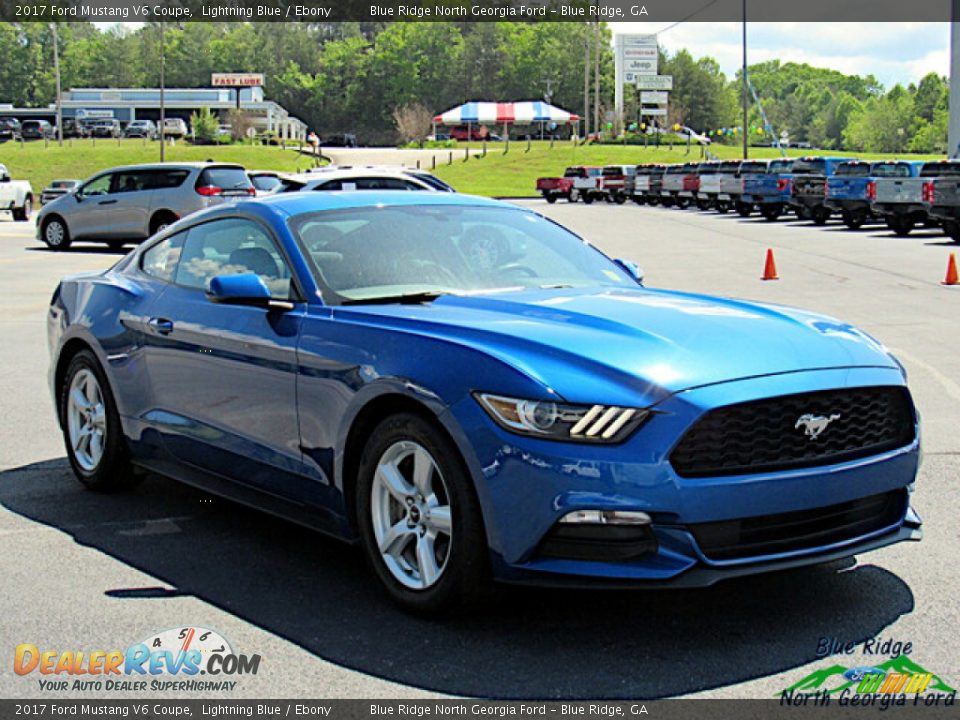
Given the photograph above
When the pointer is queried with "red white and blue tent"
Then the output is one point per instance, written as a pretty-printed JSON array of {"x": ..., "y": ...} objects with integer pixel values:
[{"x": 489, "y": 113}]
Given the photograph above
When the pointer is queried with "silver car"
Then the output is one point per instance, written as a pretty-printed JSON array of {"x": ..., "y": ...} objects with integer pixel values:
[{"x": 129, "y": 204}]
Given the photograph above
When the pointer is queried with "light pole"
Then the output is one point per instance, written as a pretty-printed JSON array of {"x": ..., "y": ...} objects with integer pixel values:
[
  {"x": 953, "y": 128},
  {"x": 56, "y": 72},
  {"x": 586, "y": 84},
  {"x": 163, "y": 109},
  {"x": 746, "y": 151}
]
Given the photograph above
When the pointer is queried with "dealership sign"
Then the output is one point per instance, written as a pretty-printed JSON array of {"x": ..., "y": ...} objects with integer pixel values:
[
  {"x": 654, "y": 82},
  {"x": 654, "y": 97},
  {"x": 236, "y": 79}
]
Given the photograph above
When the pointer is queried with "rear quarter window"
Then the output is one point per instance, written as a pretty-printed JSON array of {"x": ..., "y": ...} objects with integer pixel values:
[
  {"x": 227, "y": 178},
  {"x": 809, "y": 167}
]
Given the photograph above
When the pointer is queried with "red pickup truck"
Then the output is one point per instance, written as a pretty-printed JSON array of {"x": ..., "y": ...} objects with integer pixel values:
[{"x": 578, "y": 182}]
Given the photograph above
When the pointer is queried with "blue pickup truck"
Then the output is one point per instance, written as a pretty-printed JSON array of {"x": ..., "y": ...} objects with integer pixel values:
[
  {"x": 853, "y": 188},
  {"x": 770, "y": 190},
  {"x": 808, "y": 193}
]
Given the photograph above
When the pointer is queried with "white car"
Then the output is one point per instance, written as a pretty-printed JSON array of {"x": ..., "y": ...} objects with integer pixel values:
[
  {"x": 16, "y": 196},
  {"x": 175, "y": 127},
  {"x": 360, "y": 178}
]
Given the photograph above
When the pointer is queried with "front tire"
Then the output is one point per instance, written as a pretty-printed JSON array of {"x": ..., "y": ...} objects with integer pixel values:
[
  {"x": 55, "y": 234},
  {"x": 92, "y": 432},
  {"x": 419, "y": 519}
]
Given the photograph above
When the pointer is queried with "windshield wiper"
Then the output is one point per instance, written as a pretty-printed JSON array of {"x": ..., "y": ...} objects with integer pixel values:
[{"x": 403, "y": 299}]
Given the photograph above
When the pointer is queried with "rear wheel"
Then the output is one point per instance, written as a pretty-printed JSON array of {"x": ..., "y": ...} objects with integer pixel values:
[
  {"x": 550, "y": 198},
  {"x": 820, "y": 215},
  {"x": 587, "y": 198},
  {"x": 900, "y": 225},
  {"x": 619, "y": 199},
  {"x": 683, "y": 203},
  {"x": 574, "y": 195},
  {"x": 771, "y": 212},
  {"x": 952, "y": 229},
  {"x": 55, "y": 234},
  {"x": 854, "y": 221},
  {"x": 418, "y": 516},
  {"x": 91, "y": 427},
  {"x": 24, "y": 213},
  {"x": 744, "y": 209},
  {"x": 723, "y": 207},
  {"x": 161, "y": 220}
]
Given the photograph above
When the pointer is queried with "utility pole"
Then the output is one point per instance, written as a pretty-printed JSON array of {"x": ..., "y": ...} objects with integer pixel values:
[
  {"x": 163, "y": 107},
  {"x": 586, "y": 84},
  {"x": 56, "y": 72},
  {"x": 953, "y": 139},
  {"x": 596, "y": 78},
  {"x": 746, "y": 132}
]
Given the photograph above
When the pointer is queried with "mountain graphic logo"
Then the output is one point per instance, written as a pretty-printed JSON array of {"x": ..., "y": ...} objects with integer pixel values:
[{"x": 837, "y": 678}]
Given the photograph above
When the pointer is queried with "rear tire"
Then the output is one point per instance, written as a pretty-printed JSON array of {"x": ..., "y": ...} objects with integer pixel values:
[
  {"x": 901, "y": 226},
  {"x": 550, "y": 198},
  {"x": 744, "y": 209},
  {"x": 854, "y": 221},
  {"x": 820, "y": 216},
  {"x": 413, "y": 489},
  {"x": 723, "y": 207},
  {"x": 587, "y": 198},
  {"x": 160, "y": 221},
  {"x": 952, "y": 229},
  {"x": 92, "y": 433},
  {"x": 771, "y": 213},
  {"x": 24, "y": 213}
]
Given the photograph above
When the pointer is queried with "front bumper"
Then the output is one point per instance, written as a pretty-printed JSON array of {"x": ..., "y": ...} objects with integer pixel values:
[{"x": 526, "y": 485}]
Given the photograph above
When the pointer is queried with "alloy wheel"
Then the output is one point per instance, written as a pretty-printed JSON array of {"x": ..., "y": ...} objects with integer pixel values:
[
  {"x": 410, "y": 509},
  {"x": 53, "y": 233},
  {"x": 86, "y": 420}
]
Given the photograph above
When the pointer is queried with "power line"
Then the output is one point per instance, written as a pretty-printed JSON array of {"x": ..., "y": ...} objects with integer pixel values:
[{"x": 695, "y": 12}]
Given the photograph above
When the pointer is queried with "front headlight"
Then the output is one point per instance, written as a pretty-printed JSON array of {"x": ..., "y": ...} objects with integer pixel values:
[{"x": 556, "y": 421}]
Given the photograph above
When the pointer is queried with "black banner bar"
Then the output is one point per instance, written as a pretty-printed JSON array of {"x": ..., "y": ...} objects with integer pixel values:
[
  {"x": 812, "y": 705},
  {"x": 315, "y": 11}
]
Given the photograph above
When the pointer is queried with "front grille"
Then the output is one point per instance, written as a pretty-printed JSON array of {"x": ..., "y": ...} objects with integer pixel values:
[
  {"x": 767, "y": 435},
  {"x": 802, "y": 530}
]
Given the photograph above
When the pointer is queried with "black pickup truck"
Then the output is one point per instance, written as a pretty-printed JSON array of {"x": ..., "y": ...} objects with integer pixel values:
[
  {"x": 942, "y": 195},
  {"x": 810, "y": 184}
]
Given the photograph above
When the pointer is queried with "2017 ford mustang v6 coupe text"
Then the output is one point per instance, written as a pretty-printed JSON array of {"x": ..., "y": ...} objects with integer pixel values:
[{"x": 470, "y": 391}]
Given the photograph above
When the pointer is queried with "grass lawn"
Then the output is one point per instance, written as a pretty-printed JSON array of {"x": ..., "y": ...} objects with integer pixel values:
[
  {"x": 82, "y": 158},
  {"x": 516, "y": 172}
]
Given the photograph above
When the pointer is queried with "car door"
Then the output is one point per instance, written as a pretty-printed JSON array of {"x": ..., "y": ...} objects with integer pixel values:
[
  {"x": 223, "y": 376},
  {"x": 90, "y": 215},
  {"x": 130, "y": 211}
]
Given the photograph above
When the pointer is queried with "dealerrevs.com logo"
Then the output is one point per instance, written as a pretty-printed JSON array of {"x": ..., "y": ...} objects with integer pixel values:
[{"x": 171, "y": 660}]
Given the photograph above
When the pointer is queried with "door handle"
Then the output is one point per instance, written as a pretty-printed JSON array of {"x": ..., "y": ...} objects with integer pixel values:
[
  {"x": 106, "y": 202},
  {"x": 161, "y": 325}
]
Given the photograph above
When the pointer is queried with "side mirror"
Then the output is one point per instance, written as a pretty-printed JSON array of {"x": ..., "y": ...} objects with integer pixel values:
[
  {"x": 633, "y": 270},
  {"x": 4, "y": 178},
  {"x": 244, "y": 289}
]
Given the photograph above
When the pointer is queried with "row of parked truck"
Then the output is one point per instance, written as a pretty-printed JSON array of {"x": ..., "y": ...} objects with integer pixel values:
[{"x": 901, "y": 193}]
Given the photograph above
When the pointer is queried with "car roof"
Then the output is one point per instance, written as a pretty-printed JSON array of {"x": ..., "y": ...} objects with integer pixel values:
[
  {"x": 172, "y": 166},
  {"x": 346, "y": 174},
  {"x": 299, "y": 203}
]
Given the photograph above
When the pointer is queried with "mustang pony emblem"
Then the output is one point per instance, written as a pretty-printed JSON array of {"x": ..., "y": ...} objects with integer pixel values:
[{"x": 814, "y": 424}]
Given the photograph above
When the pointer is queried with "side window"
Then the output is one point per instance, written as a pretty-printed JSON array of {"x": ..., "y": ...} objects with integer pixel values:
[
  {"x": 164, "y": 179},
  {"x": 160, "y": 261},
  {"x": 129, "y": 182},
  {"x": 232, "y": 247},
  {"x": 332, "y": 185},
  {"x": 98, "y": 186}
]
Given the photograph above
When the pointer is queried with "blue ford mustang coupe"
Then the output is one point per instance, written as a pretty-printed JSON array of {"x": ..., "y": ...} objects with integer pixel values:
[{"x": 470, "y": 391}]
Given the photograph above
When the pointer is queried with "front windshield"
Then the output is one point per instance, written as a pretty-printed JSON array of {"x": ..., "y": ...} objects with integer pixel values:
[{"x": 370, "y": 253}]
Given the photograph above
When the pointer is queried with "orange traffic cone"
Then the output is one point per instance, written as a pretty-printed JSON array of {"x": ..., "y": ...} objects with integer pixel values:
[
  {"x": 770, "y": 268},
  {"x": 951, "y": 278}
]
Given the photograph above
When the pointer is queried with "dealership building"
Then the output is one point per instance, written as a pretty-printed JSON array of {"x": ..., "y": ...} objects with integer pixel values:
[{"x": 126, "y": 104}]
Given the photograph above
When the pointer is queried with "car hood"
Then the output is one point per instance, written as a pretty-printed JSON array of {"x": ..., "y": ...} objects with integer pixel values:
[{"x": 592, "y": 345}]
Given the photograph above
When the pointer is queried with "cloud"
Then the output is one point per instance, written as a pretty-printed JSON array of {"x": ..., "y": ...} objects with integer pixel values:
[{"x": 892, "y": 52}]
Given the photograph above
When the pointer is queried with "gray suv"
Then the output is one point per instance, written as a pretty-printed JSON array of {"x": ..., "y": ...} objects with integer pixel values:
[{"x": 129, "y": 204}]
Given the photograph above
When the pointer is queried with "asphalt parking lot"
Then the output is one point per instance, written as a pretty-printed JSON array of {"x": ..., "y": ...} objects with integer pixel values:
[{"x": 84, "y": 571}]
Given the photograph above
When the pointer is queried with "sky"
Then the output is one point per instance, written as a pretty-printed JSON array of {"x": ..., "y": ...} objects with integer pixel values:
[{"x": 892, "y": 52}]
